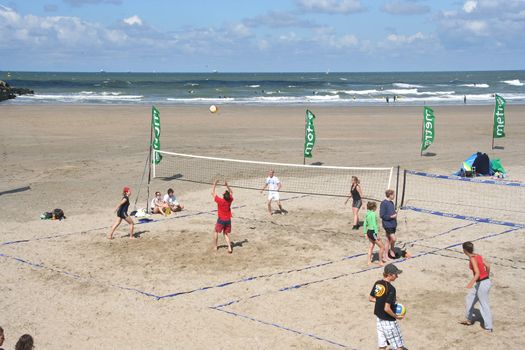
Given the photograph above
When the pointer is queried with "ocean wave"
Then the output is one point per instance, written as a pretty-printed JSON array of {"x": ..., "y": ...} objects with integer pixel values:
[
  {"x": 407, "y": 86},
  {"x": 191, "y": 84},
  {"x": 253, "y": 86},
  {"x": 483, "y": 86},
  {"x": 83, "y": 96},
  {"x": 515, "y": 82}
]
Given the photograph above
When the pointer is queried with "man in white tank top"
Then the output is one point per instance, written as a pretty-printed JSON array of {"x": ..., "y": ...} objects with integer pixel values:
[{"x": 274, "y": 185}]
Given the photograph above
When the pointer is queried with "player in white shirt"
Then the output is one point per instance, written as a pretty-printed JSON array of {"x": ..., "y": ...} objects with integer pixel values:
[{"x": 274, "y": 185}]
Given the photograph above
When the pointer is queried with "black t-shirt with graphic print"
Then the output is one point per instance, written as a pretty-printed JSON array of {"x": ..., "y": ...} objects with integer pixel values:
[{"x": 384, "y": 292}]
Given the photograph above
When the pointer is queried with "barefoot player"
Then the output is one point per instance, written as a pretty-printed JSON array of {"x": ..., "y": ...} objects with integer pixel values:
[
  {"x": 224, "y": 223},
  {"x": 274, "y": 185}
]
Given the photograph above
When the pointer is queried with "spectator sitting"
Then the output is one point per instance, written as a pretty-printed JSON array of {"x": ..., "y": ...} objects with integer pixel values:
[
  {"x": 172, "y": 202},
  {"x": 25, "y": 343},
  {"x": 158, "y": 206}
]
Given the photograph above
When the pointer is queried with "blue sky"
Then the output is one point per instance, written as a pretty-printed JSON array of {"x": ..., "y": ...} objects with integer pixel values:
[{"x": 262, "y": 36}]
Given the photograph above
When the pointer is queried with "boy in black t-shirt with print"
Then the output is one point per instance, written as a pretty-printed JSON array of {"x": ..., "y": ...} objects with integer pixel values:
[{"x": 383, "y": 294}]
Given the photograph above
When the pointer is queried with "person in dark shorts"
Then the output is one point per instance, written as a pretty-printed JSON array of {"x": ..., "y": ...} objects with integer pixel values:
[
  {"x": 2, "y": 337},
  {"x": 371, "y": 232},
  {"x": 388, "y": 214},
  {"x": 122, "y": 214},
  {"x": 356, "y": 193},
  {"x": 383, "y": 294},
  {"x": 224, "y": 214}
]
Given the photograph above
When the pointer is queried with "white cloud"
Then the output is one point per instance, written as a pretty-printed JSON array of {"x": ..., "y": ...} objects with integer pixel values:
[
  {"x": 331, "y": 6},
  {"x": 405, "y": 8},
  {"x": 476, "y": 27},
  {"x": 133, "y": 20},
  {"x": 9, "y": 15},
  {"x": 405, "y": 39},
  {"x": 470, "y": 6}
]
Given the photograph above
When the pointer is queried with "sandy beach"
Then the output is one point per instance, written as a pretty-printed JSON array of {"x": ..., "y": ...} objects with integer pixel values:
[{"x": 297, "y": 281}]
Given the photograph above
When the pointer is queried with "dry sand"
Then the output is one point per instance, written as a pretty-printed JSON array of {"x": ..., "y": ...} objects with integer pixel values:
[{"x": 79, "y": 290}]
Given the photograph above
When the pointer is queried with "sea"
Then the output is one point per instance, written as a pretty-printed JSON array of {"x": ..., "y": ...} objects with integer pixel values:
[{"x": 325, "y": 88}]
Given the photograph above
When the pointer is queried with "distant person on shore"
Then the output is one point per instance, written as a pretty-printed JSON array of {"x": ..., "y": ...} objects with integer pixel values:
[
  {"x": 171, "y": 201},
  {"x": 384, "y": 296},
  {"x": 25, "y": 343},
  {"x": 465, "y": 99},
  {"x": 479, "y": 288},
  {"x": 388, "y": 214},
  {"x": 274, "y": 186},
  {"x": 387, "y": 100},
  {"x": 224, "y": 213},
  {"x": 372, "y": 233},
  {"x": 122, "y": 213},
  {"x": 356, "y": 193}
]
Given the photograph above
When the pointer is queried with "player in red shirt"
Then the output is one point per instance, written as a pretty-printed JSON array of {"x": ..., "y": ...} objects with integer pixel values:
[{"x": 224, "y": 223}]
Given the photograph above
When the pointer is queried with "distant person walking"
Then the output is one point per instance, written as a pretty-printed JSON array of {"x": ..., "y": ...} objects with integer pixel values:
[
  {"x": 371, "y": 232},
  {"x": 384, "y": 296},
  {"x": 388, "y": 214},
  {"x": 356, "y": 193},
  {"x": 224, "y": 213},
  {"x": 274, "y": 186},
  {"x": 122, "y": 213},
  {"x": 465, "y": 99},
  {"x": 479, "y": 288}
]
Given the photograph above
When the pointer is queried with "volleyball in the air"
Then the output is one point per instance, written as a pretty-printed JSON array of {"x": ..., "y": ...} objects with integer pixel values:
[
  {"x": 213, "y": 109},
  {"x": 400, "y": 309}
]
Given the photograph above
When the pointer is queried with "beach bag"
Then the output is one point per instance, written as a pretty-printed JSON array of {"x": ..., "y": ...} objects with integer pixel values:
[
  {"x": 58, "y": 214},
  {"x": 46, "y": 215}
]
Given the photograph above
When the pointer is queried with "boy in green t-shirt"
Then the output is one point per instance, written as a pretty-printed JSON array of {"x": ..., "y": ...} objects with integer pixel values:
[{"x": 370, "y": 229}]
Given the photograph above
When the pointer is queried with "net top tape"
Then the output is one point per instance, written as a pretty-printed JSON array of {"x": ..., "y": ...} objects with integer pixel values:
[
  {"x": 270, "y": 163},
  {"x": 467, "y": 179}
]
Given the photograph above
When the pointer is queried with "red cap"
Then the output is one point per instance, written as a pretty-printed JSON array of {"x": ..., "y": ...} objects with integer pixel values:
[{"x": 126, "y": 189}]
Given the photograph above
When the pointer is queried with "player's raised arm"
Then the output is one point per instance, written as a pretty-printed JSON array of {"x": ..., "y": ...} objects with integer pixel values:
[
  {"x": 228, "y": 187},
  {"x": 213, "y": 194}
]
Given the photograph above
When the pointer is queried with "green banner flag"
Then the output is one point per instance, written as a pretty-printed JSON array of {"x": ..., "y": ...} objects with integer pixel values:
[
  {"x": 155, "y": 125},
  {"x": 499, "y": 118},
  {"x": 427, "y": 138},
  {"x": 309, "y": 135}
]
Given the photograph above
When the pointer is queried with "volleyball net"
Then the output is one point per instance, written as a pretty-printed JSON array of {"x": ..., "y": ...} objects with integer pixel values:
[
  {"x": 295, "y": 178},
  {"x": 476, "y": 197}
]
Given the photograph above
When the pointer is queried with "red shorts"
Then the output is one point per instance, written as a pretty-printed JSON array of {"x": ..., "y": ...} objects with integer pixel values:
[{"x": 224, "y": 226}]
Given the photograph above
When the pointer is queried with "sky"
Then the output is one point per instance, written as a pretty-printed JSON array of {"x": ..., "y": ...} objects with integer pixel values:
[{"x": 261, "y": 36}]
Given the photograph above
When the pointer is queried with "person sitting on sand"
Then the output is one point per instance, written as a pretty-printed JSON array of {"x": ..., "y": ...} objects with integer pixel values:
[
  {"x": 224, "y": 213},
  {"x": 122, "y": 213},
  {"x": 171, "y": 200},
  {"x": 158, "y": 206}
]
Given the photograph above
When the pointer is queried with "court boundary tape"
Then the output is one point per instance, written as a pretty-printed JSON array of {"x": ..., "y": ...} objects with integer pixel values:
[
  {"x": 464, "y": 217},
  {"x": 284, "y": 328}
]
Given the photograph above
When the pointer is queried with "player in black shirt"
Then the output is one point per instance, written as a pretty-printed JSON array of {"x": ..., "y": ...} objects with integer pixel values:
[{"x": 383, "y": 294}]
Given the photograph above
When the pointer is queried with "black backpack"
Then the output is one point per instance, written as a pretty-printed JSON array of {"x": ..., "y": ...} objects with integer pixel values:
[{"x": 58, "y": 214}]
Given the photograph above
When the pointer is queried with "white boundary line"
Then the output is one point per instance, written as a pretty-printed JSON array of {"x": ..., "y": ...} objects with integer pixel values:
[{"x": 280, "y": 164}]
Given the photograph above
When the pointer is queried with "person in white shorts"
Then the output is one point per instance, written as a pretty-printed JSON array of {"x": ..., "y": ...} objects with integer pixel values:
[
  {"x": 383, "y": 294},
  {"x": 274, "y": 185}
]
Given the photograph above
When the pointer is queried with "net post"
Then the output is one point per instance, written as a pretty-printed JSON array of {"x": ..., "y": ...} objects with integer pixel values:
[
  {"x": 404, "y": 187},
  {"x": 397, "y": 184}
]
